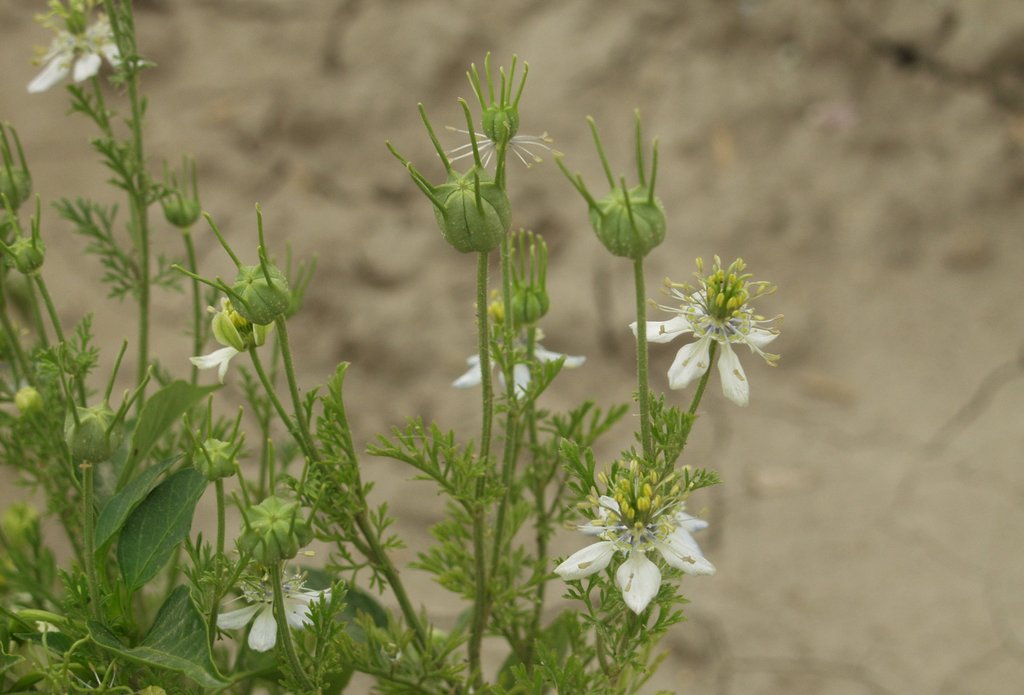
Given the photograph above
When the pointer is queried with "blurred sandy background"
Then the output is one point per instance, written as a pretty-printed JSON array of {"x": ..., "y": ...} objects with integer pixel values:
[{"x": 865, "y": 156}]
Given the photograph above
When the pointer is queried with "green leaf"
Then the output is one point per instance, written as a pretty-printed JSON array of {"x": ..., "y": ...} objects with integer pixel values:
[
  {"x": 116, "y": 510},
  {"x": 178, "y": 641},
  {"x": 161, "y": 411},
  {"x": 157, "y": 526}
]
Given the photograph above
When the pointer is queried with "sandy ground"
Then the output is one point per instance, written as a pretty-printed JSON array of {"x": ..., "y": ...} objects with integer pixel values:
[{"x": 865, "y": 156}]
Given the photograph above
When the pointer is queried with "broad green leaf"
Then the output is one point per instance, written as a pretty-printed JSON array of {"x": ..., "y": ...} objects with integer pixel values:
[
  {"x": 161, "y": 411},
  {"x": 178, "y": 641},
  {"x": 116, "y": 510},
  {"x": 157, "y": 526}
]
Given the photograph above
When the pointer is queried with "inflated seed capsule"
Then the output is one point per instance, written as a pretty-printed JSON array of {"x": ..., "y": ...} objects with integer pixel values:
[
  {"x": 93, "y": 437},
  {"x": 529, "y": 305},
  {"x": 261, "y": 302},
  {"x": 180, "y": 211},
  {"x": 629, "y": 224},
  {"x": 275, "y": 530},
  {"x": 500, "y": 123},
  {"x": 474, "y": 214},
  {"x": 27, "y": 254},
  {"x": 215, "y": 459}
]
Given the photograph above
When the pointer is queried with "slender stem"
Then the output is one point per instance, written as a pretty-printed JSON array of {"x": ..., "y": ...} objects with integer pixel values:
[
  {"x": 642, "y": 387},
  {"x": 383, "y": 563},
  {"x": 276, "y": 402},
  {"x": 703, "y": 380},
  {"x": 212, "y": 623},
  {"x": 293, "y": 386},
  {"x": 284, "y": 632},
  {"x": 88, "y": 518},
  {"x": 479, "y": 623},
  {"x": 197, "y": 302},
  {"x": 11, "y": 334},
  {"x": 37, "y": 317},
  {"x": 51, "y": 310},
  {"x": 542, "y": 524}
]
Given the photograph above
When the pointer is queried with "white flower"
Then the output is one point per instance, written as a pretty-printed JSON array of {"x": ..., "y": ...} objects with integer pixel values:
[
  {"x": 717, "y": 312},
  {"x": 232, "y": 331},
  {"x": 260, "y": 595},
  {"x": 79, "y": 55},
  {"x": 666, "y": 529},
  {"x": 522, "y": 146},
  {"x": 520, "y": 371}
]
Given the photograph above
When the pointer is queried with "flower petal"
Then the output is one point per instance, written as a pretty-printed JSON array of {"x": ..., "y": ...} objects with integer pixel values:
[
  {"x": 263, "y": 635},
  {"x": 521, "y": 377},
  {"x": 758, "y": 337},
  {"x": 86, "y": 66},
  {"x": 232, "y": 620},
  {"x": 682, "y": 552},
  {"x": 734, "y": 381},
  {"x": 111, "y": 53},
  {"x": 218, "y": 358},
  {"x": 472, "y": 377},
  {"x": 689, "y": 522},
  {"x": 639, "y": 579},
  {"x": 296, "y": 610},
  {"x": 664, "y": 331},
  {"x": 691, "y": 362},
  {"x": 571, "y": 361},
  {"x": 55, "y": 71},
  {"x": 583, "y": 563}
]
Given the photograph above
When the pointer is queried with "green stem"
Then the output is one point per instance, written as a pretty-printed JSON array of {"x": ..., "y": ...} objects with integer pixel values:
[
  {"x": 293, "y": 386},
  {"x": 479, "y": 623},
  {"x": 276, "y": 402},
  {"x": 383, "y": 563},
  {"x": 51, "y": 310},
  {"x": 642, "y": 387},
  {"x": 37, "y": 317},
  {"x": 540, "y": 503},
  {"x": 703, "y": 380},
  {"x": 284, "y": 632},
  {"x": 197, "y": 302},
  {"x": 88, "y": 519},
  {"x": 212, "y": 623},
  {"x": 11, "y": 334}
]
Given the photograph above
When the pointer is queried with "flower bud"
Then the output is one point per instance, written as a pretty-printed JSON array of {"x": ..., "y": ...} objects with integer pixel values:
[
  {"x": 474, "y": 214},
  {"x": 181, "y": 204},
  {"x": 27, "y": 254},
  {"x": 28, "y": 400},
  {"x": 215, "y": 459},
  {"x": 261, "y": 301},
  {"x": 152, "y": 690},
  {"x": 629, "y": 224},
  {"x": 530, "y": 300},
  {"x": 180, "y": 211},
  {"x": 274, "y": 531},
  {"x": 95, "y": 437}
]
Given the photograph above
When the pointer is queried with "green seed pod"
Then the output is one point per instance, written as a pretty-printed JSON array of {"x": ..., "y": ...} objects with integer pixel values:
[
  {"x": 262, "y": 301},
  {"x": 180, "y": 211},
  {"x": 215, "y": 459},
  {"x": 500, "y": 123},
  {"x": 27, "y": 254},
  {"x": 28, "y": 400},
  {"x": 629, "y": 228},
  {"x": 529, "y": 305},
  {"x": 275, "y": 531},
  {"x": 92, "y": 438},
  {"x": 474, "y": 214},
  {"x": 16, "y": 184}
]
